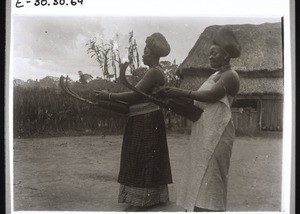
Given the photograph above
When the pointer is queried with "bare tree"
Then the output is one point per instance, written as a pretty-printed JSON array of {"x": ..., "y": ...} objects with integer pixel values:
[
  {"x": 108, "y": 55},
  {"x": 133, "y": 54},
  {"x": 115, "y": 54},
  {"x": 101, "y": 52}
]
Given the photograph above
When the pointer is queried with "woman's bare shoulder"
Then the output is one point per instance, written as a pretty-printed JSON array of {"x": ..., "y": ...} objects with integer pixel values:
[
  {"x": 231, "y": 74},
  {"x": 154, "y": 71},
  {"x": 157, "y": 72},
  {"x": 231, "y": 81},
  {"x": 154, "y": 75}
]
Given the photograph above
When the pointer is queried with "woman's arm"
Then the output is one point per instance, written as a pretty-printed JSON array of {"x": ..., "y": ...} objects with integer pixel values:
[
  {"x": 227, "y": 84},
  {"x": 152, "y": 78}
]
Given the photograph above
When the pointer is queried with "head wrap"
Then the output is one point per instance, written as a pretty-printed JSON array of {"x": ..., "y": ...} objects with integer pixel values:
[
  {"x": 227, "y": 41},
  {"x": 158, "y": 44}
]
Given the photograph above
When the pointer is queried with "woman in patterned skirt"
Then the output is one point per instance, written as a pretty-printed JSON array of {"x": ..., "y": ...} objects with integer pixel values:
[
  {"x": 145, "y": 168},
  {"x": 203, "y": 185}
]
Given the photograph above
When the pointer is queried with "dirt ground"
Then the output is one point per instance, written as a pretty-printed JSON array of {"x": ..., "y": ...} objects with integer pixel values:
[{"x": 80, "y": 173}]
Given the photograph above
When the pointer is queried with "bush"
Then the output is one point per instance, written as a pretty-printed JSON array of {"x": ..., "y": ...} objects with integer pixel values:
[{"x": 49, "y": 111}]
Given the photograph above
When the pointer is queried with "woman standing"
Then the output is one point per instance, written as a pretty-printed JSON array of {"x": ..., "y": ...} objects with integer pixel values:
[
  {"x": 204, "y": 183},
  {"x": 145, "y": 166}
]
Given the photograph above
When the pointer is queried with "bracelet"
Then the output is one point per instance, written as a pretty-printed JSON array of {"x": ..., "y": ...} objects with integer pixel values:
[{"x": 109, "y": 96}]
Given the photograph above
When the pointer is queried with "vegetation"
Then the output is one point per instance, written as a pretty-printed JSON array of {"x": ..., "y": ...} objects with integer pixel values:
[
  {"x": 42, "y": 109},
  {"x": 107, "y": 55}
]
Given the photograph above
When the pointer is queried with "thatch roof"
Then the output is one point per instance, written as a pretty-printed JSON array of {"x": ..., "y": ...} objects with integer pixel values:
[
  {"x": 248, "y": 86},
  {"x": 261, "y": 50}
]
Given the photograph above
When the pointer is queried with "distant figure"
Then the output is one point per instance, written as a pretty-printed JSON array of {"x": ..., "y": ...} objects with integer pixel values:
[
  {"x": 84, "y": 78},
  {"x": 203, "y": 186}
]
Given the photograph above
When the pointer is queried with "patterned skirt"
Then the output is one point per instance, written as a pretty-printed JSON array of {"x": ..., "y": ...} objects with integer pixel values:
[
  {"x": 143, "y": 197},
  {"x": 145, "y": 165}
]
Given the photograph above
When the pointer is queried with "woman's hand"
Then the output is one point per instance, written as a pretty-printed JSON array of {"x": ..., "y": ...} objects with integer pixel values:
[
  {"x": 102, "y": 95},
  {"x": 159, "y": 92},
  {"x": 174, "y": 92}
]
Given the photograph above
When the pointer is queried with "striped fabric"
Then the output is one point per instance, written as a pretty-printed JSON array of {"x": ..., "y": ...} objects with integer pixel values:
[
  {"x": 145, "y": 159},
  {"x": 145, "y": 167},
  {"x": 143, "y": 197}
]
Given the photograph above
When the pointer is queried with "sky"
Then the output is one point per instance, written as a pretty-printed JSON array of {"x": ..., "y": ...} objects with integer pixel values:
[{"x": 56, "y": 45}]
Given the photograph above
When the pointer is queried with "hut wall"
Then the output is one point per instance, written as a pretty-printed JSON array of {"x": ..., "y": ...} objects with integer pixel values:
[
  {"x": 266, "y": 116},
  {"x": 272, "y": 114},
  {"x": 245, "y": 121},
  {"x": 246, "y": 114}
]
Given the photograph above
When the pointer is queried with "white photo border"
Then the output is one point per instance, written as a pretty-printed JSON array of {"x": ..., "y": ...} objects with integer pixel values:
[{"x": 228, "y": 8}]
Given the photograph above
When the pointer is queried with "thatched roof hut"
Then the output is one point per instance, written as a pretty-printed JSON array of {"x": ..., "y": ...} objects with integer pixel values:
[
  {"x": 261, "y": 50},
  {"x": 260, "y": 65}
]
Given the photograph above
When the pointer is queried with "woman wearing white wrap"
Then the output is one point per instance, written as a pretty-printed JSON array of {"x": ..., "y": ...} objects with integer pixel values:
[{"x": 203, "y": 185}]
